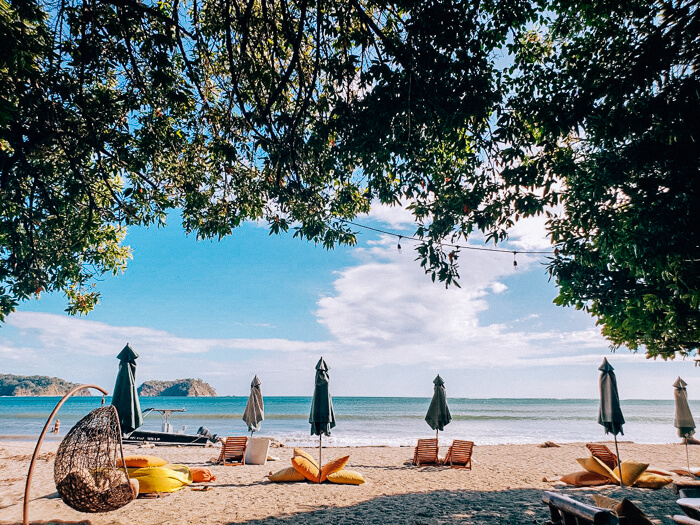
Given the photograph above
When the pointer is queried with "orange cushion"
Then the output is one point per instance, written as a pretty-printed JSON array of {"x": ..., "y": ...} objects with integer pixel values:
[
  {"x": 585, "y": 479},
  {"x": 142, "y": 461},
  {"x": 306, "y": 468},
  {"x": 299, "y": 452},
  {"x": 201, "y": 474},
  {"x": 333, "y": 466}
]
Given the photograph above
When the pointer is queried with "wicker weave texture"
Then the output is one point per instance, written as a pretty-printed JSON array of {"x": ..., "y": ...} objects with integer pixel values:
[{"x": 86, "y": 474}]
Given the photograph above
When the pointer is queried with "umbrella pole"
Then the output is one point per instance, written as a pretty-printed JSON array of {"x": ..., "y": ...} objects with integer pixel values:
[
  {"x": 687, "y": 457},
  {"x": 320, "y": 464},
  {"x": 619, "y": 463}
]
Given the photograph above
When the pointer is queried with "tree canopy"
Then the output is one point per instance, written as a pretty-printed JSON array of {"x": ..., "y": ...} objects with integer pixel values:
[
  {"x": 302, "y": 113},
  {"x": 609, "y": 105}
]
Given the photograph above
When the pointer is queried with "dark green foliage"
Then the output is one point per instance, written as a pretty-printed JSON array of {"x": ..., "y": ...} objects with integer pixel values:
[
  {"x": 301, "y": 114},
  {"x": 179, "y": 387},
  {"x": 12, "y": 385},
  {"x": 609, "y": 105},
  {"x": 293, "y": 112}
]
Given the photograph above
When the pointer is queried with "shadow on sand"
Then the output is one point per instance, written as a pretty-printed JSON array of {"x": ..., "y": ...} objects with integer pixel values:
[{"x": 509, "y": 507}]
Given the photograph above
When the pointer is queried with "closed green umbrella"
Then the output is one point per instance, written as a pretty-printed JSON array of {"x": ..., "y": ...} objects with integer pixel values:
[
  {"x": 254, "y": 411},
  {"x": 322, "y": 417},
  {"x": 438, "y": 413},
  {"x": 610, "y": 414},
  {"x": 683, "y": 421},
  {"x": 126, "y": 398}
]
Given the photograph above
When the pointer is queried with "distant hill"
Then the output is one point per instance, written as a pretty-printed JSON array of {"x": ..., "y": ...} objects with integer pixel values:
[
  {"x": 11, "y": 385},
  {"x": 179, "y": 387}
]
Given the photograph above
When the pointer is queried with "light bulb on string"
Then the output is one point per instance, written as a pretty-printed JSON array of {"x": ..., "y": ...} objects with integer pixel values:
[
  {"x": 515, "y": 263},
  {"x": 398, "y": 246}
]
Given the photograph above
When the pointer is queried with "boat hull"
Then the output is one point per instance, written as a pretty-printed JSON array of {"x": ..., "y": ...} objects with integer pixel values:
[{"x": 138, "y": 437}]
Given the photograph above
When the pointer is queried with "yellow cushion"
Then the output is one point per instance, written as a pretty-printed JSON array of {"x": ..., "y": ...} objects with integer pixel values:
[
  {"x": 651, "y": 480},
  {"x": 348, "y": 477},
  {"x": 585, "y": 479},
  {"x": 306, "y": 468},
  {"x": 142, "y": 461},
  {"x": 299, "y": 452},
  {"x": 336, "y": 465},
  {"x": 592, "y": 464},
  {"x": 286, "y": 474},
  {"x": 167, "y": 478},
  {"x": 631, "y": 470}
]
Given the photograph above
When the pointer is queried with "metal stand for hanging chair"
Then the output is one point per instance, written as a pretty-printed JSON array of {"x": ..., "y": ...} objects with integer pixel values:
[{"x": 85, "y": 470}]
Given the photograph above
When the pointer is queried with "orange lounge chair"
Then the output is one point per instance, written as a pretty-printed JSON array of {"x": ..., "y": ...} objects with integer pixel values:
[
  {"x": 233, "y": 451},
  {"x": 604, "y": 454},
  {"x": 459, "y": 455},
  {"x": 426, "y": 452}
]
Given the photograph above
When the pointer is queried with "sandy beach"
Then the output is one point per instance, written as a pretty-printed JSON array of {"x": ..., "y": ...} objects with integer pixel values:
[{"x": 504, "y": 487}]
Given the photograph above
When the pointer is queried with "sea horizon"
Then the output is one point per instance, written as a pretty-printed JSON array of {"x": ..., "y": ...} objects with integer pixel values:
[{"x": 365, "y": 420}]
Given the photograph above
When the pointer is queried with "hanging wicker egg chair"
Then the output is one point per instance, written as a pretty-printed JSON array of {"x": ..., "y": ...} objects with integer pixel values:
[{"x": 86, "y": 470}]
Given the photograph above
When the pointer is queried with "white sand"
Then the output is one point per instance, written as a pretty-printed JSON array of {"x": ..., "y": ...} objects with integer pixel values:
[{"x": 504, "y": 487}]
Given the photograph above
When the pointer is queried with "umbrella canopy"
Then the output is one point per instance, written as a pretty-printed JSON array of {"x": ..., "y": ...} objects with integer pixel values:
[
  {"x": 254, "y": 411},
  {"x": 126, "y": 398},
  {"x": 684, "y": 419},
  {"x": 322, "y": 417},
  {"x": 610, "y": 414},
  {"x": 438, "y": 414}
]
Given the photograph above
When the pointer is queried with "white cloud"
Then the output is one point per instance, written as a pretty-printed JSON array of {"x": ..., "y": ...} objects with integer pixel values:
[
  {"x": 392, "y": 216},
  {"x": 498, "y": 287},
  {"x": 387, "y": 311},
  {"x": 82, "y": 336},
  {"x": 530, "y": 234}
]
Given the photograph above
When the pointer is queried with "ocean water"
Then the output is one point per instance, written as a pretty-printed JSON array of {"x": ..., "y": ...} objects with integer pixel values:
[{"x": 361, "y": 421}]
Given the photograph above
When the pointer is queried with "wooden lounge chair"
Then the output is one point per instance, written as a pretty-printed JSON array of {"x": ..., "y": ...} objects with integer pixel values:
[
  {"x": 565, "y": 511},
  {"x": 233, "y": 451},
  {"x": 604, "y": 454},
  {"x": 459, "y": 455},
  {"x": 426, "y": 452}
]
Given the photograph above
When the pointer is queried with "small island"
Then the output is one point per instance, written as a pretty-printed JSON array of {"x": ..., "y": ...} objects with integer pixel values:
[
  {"x": 179, "y": 388},
  {"x": 12, "y": 385}
]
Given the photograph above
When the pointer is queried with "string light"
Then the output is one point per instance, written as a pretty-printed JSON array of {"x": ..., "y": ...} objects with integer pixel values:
[
  {"x": 515, "y": 263},
  {"x": 459, "y": 246},
  {"x": 398, "y": 246}
]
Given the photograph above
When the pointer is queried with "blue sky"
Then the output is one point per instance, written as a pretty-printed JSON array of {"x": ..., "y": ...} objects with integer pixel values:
[{"x": 271, "y": 306}]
